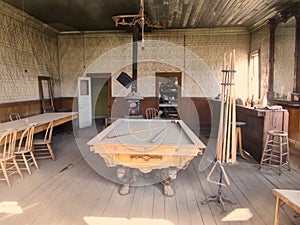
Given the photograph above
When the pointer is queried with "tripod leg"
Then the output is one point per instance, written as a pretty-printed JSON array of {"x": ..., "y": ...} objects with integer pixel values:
[{"x": 219, "y": 197}]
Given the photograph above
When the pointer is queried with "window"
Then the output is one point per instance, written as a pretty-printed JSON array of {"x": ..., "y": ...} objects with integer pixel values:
[{"x": 254, "y": 75}]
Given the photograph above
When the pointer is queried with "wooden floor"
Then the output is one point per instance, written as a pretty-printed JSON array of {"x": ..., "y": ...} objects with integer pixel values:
[{"x": 69, "y": 191}]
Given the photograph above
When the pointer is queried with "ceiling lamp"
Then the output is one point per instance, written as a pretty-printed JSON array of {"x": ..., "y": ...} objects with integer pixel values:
[{"x": 131, "y": 20}]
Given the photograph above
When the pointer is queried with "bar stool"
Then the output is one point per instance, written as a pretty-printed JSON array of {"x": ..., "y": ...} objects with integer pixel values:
[
  {"x": 239, "y": 138},
  {"x": 276, "y": 150}
]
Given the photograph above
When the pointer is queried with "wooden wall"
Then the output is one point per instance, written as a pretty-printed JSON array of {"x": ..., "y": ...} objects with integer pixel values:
[
  {"x": 29, "y": 108},
  {"x": 195, "y": 112},
  {"x": 25, "y": 109},
  {"x": 294, "y": 127}
]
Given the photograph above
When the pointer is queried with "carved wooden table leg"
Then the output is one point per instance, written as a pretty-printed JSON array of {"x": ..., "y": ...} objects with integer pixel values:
[
  {"x": 125, "y": 175},
  {"x": 168, "y": 176}
]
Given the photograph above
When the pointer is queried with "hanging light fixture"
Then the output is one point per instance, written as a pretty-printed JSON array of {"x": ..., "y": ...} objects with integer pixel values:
[{"x": 140, "y": 18}]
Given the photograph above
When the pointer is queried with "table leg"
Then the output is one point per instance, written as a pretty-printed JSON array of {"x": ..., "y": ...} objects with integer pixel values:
[
  {"x": 169, "y": 176},
  {"x": 125, "y": 176},
  {"x": 276, "y": 220}
]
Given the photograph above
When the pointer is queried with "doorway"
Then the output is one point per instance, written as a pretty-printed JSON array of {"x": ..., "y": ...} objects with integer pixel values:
[{"x": 100, "y": 97}]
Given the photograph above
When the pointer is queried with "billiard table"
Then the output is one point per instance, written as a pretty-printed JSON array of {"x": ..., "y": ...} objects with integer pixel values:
[{"x": 147, "y": 145}]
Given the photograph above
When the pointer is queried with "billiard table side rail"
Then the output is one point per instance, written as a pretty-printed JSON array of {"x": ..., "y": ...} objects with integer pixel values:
[{"x": 99, "y": 145}]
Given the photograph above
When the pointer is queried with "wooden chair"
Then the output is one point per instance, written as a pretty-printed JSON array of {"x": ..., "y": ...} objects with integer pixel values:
[
  {"x": 152, "y": 113},
  {"x": 24, "y": 152},
  {"x": 8, "y": 161},
  {"x": 14, "y": 116},
  {"x": 42, "y": 147}
]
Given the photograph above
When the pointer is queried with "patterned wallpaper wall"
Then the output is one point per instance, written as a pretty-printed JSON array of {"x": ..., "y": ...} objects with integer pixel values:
[
  {"x": 284, "y": 58},
  {"x": 28, "y": 49},
  {"x": 260, "y": 40},
  {"x": 284, "y": 62},
  {"x": 198, "y": 54}
]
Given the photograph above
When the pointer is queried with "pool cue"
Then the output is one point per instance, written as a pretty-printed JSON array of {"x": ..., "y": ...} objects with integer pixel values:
[
  {"x": 226, "y": 115},
  {"x": 229, "y": 112},
  {"x": 220, "y": 131},
  {"x": 233, "y": 132},
  {"x": 158, "y": 135},
  {"x": 133, "y": 132}
]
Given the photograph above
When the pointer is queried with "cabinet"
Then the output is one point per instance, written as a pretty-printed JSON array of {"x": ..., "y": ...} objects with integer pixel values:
[
  {"x": 258, "y": 123},
  {"x": 294, "y": 122}
]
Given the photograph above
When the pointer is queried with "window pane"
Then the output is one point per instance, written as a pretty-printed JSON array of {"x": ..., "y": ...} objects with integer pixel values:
[{"x": 84, "y": 87}]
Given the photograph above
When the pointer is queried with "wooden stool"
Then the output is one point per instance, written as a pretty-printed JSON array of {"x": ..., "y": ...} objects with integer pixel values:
[
  {"x": 274, "y": 154},
  {"x": 239, "y": 138}
]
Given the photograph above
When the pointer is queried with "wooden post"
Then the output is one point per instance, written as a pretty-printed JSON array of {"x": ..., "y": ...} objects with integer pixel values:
[
  {"x": 297, "y": 56},
  {"x": 136, "y": 36},
  {"x": 233, "y": 125},
  {"x": 270, "y": 93}
]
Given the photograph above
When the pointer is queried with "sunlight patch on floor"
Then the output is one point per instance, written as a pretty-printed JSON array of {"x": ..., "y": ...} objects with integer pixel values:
[
  {"x": 239, "y": 214},
  {"x": 10, "y": 207},
  {"x": 124, "y": 221}
]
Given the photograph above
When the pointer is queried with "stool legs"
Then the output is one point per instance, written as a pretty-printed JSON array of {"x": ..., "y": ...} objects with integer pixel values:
[
  {"x": 239, "y": 142},
  {"x": 264, "y": 151},
  {"x": 274, "y": 151},
  {"x": 288, "y": 155},
  {"x": 280, "y": 153}
]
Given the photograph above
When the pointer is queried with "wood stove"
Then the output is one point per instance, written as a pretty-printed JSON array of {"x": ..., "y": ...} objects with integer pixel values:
[{"x": 133, "y": 105}]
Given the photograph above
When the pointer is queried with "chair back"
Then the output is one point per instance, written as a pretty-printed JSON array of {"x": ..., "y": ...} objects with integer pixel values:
[
  {"x": 26, "y": 139},
  {"x": 14, "y": 116},
  {"x": 152, "y": 113},
  {"x": 8, "y": 139},
  {"x": 48, "y": 134}
]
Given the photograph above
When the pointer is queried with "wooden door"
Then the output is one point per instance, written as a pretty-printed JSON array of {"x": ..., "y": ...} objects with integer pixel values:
[{"x": 84, "y": 102}]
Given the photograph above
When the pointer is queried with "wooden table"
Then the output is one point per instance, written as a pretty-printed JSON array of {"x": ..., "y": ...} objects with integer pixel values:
[
  {"x": 147, "y": 145},
  {"x": 289, "y": 197},
  {"x": 41, "y": 122}
]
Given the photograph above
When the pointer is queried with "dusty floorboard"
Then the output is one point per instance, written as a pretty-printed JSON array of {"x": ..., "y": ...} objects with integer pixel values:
[{"x": 69, "y": 191}]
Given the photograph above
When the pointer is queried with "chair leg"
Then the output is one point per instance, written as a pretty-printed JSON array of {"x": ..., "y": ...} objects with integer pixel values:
[
  {"x": 26, "y": 163},
  {"x": 3, "y": 167},
  {"x": 34, "y": 161},
  {"x": 51, "y": 151},
  {"x": 18, "y": 168}
]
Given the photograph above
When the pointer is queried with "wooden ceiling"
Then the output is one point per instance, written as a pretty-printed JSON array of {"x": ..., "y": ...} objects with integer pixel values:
[{"x": 91, "y": 15}]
